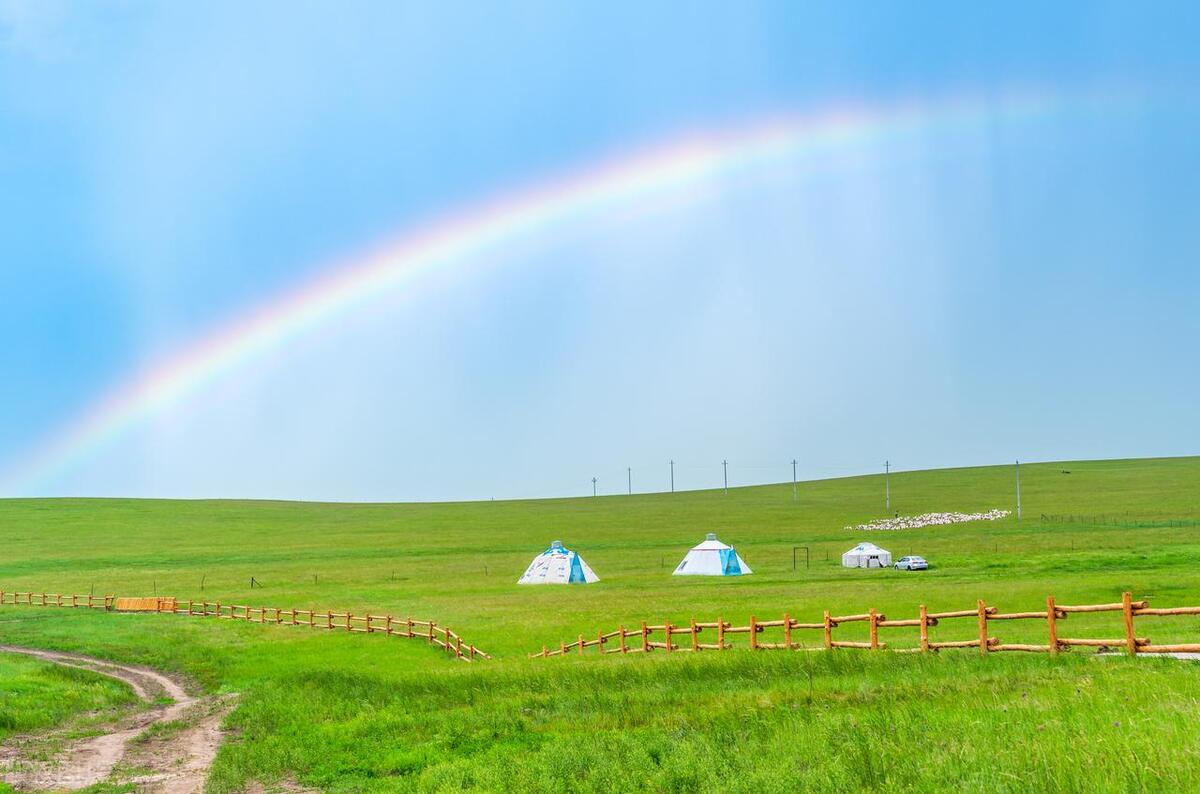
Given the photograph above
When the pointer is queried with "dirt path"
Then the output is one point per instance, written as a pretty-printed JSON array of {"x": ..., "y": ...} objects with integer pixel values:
[{"x": 175, "y": 760}]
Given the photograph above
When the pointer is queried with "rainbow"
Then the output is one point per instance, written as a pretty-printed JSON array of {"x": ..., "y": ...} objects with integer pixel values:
[{"x": 459, "y": 238}]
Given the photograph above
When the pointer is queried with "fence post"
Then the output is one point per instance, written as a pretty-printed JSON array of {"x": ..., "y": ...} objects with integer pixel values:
[
  {"x": 1127, "y": 610},
  {"x": 408, "y": 626},
  {"x": 753, "y": 633},
  {"x": 645, "y": 638},
  {"x": 431, "y": 632},
  {"x": 787, "y": 631},
  {"x": 924, "y": 629},
  {"x": 828, "y": 631},
  {"x": 695, "y": 640},
  {"x": 983, "y": 638},
  {"x": 720, "y": 634},
  {"x": 873, "y": 617},
  {"x": 667, "y": 634},
  {"x": 622, "y": 636},
  {"x": 562, "y": 648},
  {"x": 1052, "y": 624},
  {"x": 581, "y": 645}
]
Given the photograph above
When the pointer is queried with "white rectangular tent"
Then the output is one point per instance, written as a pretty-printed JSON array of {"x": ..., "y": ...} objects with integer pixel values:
[{"x": 867, "y": 555}]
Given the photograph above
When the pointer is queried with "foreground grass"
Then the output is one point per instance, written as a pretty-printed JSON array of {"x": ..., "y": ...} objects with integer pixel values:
[
  {"x": 36, "y": 696},
  {"x": 346, "y": 714},
  {"x": 355, "y": 713}
]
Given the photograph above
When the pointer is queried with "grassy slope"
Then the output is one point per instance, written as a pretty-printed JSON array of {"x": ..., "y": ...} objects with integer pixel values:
[{"x": 356, "y": 713}]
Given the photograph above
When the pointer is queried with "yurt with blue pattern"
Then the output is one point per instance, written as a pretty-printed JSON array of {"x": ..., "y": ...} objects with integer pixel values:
[
  {"x": 558, "y": 565},
  {"x": 712, "y": 558}
]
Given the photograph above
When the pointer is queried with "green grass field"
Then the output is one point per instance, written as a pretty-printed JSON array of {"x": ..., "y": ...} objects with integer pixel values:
[
  {"x": 37, "y": 695},
  {"x": 356, "y": 713}
]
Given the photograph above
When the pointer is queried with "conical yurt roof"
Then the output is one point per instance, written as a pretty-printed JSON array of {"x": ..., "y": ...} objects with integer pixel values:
[
  {"x": 558, "y": 565},
  {"x": 711, "y": 557}
]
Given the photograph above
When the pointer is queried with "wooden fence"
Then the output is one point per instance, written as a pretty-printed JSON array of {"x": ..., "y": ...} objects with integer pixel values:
[
  {"x": 662, "y": 636},
  {"x": 441, "y": 636},
  {"x": 153, "y": 604},
  {"x": 89, "y": 601}
]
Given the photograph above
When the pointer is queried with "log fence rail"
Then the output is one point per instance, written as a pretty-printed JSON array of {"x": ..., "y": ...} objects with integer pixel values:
[
  {"x": 434, "y": 634},
  {"x": 88, "y": 601},
  {"x": 661, "y": 636}
]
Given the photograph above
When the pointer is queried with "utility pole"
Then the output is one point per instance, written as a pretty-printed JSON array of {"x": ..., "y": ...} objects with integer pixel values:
[
  {"x": 1018, "y": 467},
  {"x": 629, "y": 476},
  {"x": 793, "y": 479},
  {"x": 887, "y": 483},
  {"x": 725, "y": 468},
  {"x": 672, "y": 476},
  {"x": 593, "y": 486}
]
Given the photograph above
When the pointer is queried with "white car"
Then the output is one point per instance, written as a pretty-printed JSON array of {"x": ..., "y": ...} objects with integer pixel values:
[{"x": 913, "y": 563}]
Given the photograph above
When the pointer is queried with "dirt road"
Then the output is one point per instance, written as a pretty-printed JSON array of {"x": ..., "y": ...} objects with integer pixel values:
[{"x": 173, "y": 759}]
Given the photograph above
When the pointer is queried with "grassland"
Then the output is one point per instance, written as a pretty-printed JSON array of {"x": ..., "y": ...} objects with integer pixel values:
[
  {"x": 35, "y": 696},
  {"x": 354, "y": 713}
]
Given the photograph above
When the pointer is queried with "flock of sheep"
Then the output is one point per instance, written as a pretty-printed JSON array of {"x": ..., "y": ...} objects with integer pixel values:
[{"x": 929, "y": 520}]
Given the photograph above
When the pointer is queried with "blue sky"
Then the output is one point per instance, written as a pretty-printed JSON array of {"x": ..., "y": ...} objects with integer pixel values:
[{"x": 1021, "y": 289}]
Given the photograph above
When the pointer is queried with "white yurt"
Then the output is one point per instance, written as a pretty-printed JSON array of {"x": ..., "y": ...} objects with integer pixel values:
[
  {"x": 558, "y": 565},
  {"x": 712, "y": 558},
  {"x": 867, "y": 555}
]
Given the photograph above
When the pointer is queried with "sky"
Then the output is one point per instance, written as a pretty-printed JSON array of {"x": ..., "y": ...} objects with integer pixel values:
[{"x": 934, "y": 234}]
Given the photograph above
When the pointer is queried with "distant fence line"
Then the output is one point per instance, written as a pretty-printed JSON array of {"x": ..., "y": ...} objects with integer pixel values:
[
  {"x": 1118, "y": 521},
  {"x": 639, "y": 640},
  {"x": 89, "y": 601},
  {"x": 441, "y": 636}
]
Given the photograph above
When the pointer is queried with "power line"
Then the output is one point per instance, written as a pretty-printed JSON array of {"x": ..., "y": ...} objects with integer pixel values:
[
  {"x": 1018, "y": 467},
  {"x": 887, "y": 483}
]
